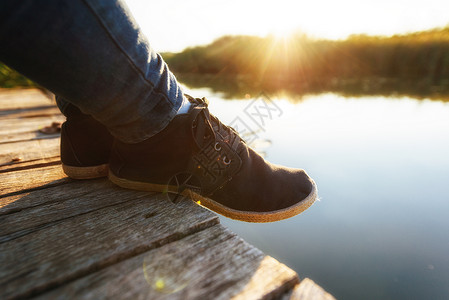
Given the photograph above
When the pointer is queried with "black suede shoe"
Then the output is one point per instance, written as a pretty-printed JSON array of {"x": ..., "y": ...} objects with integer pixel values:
[
  {"x": 85, "y": 146},
  {"x": 197, "y": 156}
]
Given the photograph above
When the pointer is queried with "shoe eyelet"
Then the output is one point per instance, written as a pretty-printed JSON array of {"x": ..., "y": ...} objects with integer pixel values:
[
  {"x": 226, "y": 161},
  {"x": 217, "y": 147}
]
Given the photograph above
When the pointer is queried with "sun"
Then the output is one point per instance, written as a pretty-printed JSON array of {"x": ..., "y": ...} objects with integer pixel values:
[
  {"x": 282, "y": 33},
  {"x": 282, "y": 28}
]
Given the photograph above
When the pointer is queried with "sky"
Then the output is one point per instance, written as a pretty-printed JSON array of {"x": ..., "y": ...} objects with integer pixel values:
[{"x": 172, "y": 25}]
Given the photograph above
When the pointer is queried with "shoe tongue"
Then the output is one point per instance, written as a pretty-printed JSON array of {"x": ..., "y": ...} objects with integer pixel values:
[{"x": 197, "y": 101}]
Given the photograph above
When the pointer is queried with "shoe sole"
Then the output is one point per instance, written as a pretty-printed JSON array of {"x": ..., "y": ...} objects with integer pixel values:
[
  {"x": 246, "y": 216},
  {"x": 86, "y": 172}
]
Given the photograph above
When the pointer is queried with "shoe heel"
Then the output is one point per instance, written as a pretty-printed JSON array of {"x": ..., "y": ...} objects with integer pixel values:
[{"x": 86, "y": 172}]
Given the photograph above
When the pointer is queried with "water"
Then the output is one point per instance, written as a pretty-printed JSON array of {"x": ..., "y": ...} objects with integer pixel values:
[{"x": 381, "y": 228}]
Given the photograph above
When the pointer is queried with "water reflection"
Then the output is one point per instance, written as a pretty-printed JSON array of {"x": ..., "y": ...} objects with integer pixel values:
[
  {"x": 381, "y": 230},
  {"x": 239, "y": 86}
]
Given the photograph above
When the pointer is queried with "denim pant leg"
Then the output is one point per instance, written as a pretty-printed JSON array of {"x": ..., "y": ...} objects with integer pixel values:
[{"x": 93, "y": 54}]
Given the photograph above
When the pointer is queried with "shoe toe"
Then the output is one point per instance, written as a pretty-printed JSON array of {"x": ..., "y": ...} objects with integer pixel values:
[{"x": 262, "y": 187}]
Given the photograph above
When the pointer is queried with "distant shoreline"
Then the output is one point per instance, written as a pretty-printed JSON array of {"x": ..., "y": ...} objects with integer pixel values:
[
  {"x": 416, "y": 63},
  {"x": 237, "y": 86}
]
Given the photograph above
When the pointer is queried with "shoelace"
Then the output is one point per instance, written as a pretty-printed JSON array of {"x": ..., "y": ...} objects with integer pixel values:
[{"x": 205, "y": 125}]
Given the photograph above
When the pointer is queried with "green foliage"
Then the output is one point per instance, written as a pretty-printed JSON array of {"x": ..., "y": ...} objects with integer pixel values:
[
  {"x": 421, "y": 57},
  {"x": 10, "y": 78}
]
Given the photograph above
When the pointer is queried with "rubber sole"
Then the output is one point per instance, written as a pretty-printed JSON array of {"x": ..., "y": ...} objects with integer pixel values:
[
  {"x": 86, "y": 172},
  {"x": 246, "y": 216}
]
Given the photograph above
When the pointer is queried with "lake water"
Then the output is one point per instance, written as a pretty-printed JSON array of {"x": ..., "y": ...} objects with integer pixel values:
[{"x": 381, "y": 227}]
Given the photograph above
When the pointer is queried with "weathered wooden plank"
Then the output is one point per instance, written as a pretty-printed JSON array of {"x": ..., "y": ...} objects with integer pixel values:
[
  {"x": 28, "y": 150},
  {"x": 22, "y": 200},
  {"x": 32, "y": 112},
  {"x": 309, "y": 290},
  {"x": 19, "y": 125},
  {"x": 24, "y": 165},
  {"x": 28, "y": 212},
  {"x": 26, "y": 136},
  {"x": 271, "y": 279},
  {"x": 211, "y": 264},
  {"x": 24, "y": 180},
  {"x": 22, "y": 98},
  {"x": 80, "y": 245}
]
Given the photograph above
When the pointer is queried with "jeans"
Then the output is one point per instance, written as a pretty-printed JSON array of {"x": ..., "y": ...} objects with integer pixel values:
[{"x": 93, "y": 54}]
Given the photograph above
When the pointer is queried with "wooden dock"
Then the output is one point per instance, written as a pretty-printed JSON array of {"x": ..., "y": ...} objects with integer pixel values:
[{"x": 68, "y": 239}]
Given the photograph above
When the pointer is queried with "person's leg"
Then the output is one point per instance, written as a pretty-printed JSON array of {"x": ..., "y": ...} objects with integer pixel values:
[{"x": 93, "y": 54}]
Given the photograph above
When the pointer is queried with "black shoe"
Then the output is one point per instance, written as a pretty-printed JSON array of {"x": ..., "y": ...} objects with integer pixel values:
[
  {"x": 197, "y": 156},
  {"x": 85, "y": 146}
]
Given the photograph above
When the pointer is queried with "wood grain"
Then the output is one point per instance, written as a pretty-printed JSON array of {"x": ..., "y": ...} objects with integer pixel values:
[
  {"x": 271, "y": 277},
  {"x": 309, "y": 290},
  {"x": 28, "y": 212},
  {"x": 25, "y": 165},
  {"x": 26, "y": 136},
  {"x": 12, "y": 126},
  {"x": 31, "y": 112},
  {"x": 80, "y": 245},
  {"x": 211, "y": 264},
  {"x": 23, "y": 98},
  {"x": 28, "y": 150},
  {"x": 25, "y": 180}
]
